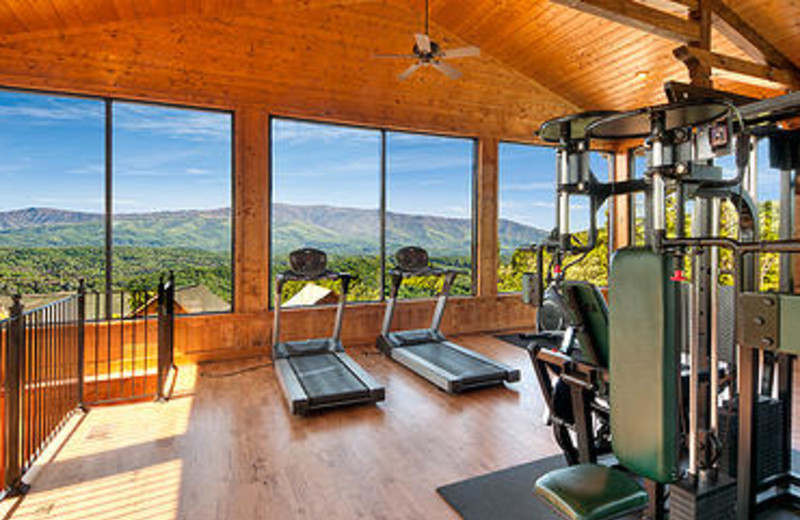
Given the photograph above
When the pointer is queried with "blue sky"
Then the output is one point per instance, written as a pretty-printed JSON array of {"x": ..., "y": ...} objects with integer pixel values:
[
  {"x": 527, "y": 187},
  {"x": 52, "y": 152},
  {"x": 316, "y": 164}
]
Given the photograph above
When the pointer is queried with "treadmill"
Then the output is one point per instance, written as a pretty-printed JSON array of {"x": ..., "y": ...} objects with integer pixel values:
[
  {"x": 427, "y": 352},
  {"x": 316, "y": 374}
]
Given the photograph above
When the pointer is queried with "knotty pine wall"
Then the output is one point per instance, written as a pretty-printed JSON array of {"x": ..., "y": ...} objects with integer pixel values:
[{"x": 322, "y": 68}]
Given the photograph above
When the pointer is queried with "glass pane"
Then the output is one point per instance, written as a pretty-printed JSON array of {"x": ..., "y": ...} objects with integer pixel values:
[
  {"x": 326, "y": 195},
  {"x": 429, "y": 204},
  {"x": 594, "y": 267},
  {"x": 51, "y": 204},
  {"x": 769, "y": 210},
  {"x": 526, "y": 207},
  {"x": 172, "y": 203}
]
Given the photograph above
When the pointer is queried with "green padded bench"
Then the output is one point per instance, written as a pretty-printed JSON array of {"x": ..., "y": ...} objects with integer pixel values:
[{"x": 644, "y": 371}]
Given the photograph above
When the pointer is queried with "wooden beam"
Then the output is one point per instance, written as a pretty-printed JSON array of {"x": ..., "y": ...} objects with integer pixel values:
[
  {"x": 699, "y": 72},
  {"x": 692, "y": 55},
  {"x": 744, "y": 36},
  {"x": 487, "y": 250},
  {"x": 634, "y": 14},
  {"x": 251, "y": 189}
]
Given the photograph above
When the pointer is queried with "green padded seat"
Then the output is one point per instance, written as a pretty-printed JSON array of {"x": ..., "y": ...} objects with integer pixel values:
[{"x": 591, "y": 492}]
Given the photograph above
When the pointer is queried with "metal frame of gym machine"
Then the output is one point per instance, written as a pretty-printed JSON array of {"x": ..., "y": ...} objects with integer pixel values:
[
  {"x": 679, "y": 139},
  {"x": 677, "y": 158}
]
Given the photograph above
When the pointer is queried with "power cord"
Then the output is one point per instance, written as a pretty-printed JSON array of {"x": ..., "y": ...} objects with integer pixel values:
[{"x": 233, "y": 373}]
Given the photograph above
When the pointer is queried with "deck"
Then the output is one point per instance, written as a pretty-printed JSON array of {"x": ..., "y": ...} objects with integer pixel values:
[{"x": 227, "y": 448}]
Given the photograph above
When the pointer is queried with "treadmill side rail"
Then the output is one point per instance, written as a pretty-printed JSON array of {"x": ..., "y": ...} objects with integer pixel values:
[
  {"x": 295, "y": 394},
  {"x": 376, "y": 391},
  {"x": 512, "y": 374},
  {"x": 433, "y": 373}
]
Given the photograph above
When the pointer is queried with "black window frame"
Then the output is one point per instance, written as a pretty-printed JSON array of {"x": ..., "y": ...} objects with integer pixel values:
[
  {"x": 108, "y": 172},
  {"x": 382, "y": 207}
]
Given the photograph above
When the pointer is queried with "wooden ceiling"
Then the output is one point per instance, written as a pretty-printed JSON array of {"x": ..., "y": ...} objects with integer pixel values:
[{"x": 536, "y": 53}]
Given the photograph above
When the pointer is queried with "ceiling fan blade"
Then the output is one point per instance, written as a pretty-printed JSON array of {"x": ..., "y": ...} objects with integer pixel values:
[
  {"x": 409, "y": 71},
  {"x": 395, "y": 56},
  {"x": 423, "y": 43},
  {"x": 461, "y": 52},
  {"x": 447, "y": 69}
]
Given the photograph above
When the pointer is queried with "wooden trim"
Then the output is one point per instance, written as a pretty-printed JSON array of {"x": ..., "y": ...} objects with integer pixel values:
[
  {"x": 622, "y": 203},
  {"x": 252, "y": 213},
  {"x": 487, "y": 257},
  {"x": 744, "y": 36},
  {"x": 639, "y": 16},
  {"x": 690, "y": 55}
]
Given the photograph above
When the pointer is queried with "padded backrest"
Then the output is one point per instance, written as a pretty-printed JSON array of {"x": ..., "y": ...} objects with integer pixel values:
[
  {"x": 587, "y": 301},
  {"x": 644, "y": 364}
]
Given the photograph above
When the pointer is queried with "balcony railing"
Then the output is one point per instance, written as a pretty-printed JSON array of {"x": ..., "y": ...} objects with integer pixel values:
[{"x": 74, "y": 352}]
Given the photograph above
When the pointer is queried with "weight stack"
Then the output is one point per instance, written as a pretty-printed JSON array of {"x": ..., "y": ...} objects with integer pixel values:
[
  {"x": 706, "y": 501},
  {"x": 770, "y": 437}
]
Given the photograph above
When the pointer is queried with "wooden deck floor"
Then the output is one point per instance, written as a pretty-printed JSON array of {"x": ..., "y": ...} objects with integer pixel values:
[
  {"x": 230, "y": 450},
  {"x": 226, "y": 448}
]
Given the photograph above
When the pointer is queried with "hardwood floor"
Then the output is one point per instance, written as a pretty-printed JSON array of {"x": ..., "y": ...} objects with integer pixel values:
[{"x": 228, "y": 449}]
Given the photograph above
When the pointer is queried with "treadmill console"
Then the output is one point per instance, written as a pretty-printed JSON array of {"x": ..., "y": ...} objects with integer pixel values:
[
  {"x": 411, "y": 259},
  {"x": 308, "y": 261}
]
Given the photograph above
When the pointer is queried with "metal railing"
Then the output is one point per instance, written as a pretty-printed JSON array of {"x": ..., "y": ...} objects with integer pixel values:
[
  {"x": 60, "y": 357},
  {"x": 42, "y": 380},
  {"x": 129, "y": 343}
]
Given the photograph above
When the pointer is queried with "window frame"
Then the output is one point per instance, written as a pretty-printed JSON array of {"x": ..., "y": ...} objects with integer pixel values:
[
  {"x": 108, "y": 172},
  {"x": 383, "y": 168}
]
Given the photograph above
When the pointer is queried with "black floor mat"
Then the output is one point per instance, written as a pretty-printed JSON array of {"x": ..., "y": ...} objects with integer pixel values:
[
  {"x": 503, "y": 495},
  {"x": 508, "y": 495},
  {"x": 516, "y": 339}
]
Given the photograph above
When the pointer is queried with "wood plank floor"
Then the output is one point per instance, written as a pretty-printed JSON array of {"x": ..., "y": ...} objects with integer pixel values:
[{"x": 230, "y": 450}]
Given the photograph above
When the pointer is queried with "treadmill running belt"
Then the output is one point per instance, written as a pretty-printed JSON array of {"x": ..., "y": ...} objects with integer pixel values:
[
  {"x": 325, "y": 378},
  {"x": 452, "y": 360}
]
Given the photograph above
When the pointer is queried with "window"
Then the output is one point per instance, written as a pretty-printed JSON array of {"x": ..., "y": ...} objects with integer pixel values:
[
  {"x": 429, "y": 188},
  {"x": 326, "y": 186},
  {"x": 51, "y": 221},
  {"x": 526, "y": 200},
  {"x": 171, "y": 200},
  {"x": 768, "y": 181},
  {"x": 526, "y": 203},
  {"x": 333, "y": 187}
]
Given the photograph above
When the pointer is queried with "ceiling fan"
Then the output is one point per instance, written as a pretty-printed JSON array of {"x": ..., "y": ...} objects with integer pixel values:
[{"x": 428, "y": 53}]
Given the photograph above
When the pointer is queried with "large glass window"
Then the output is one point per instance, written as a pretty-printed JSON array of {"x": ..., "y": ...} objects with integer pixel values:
[
  {"x": 172, "y": 202},
  {"x": 429, "y": 204},
  {"x": 334, "y": 187},
  {"x": 326, "y": 194},
  {"x": 526, "y": 207},
  {"x": 51, "y": 204},
  {"x": 768, "y": 180},
  {"x": 526, "y": 203}
]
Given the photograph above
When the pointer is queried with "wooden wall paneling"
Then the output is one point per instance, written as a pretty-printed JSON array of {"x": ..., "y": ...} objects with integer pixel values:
[
  {"x": 622, "y": 203},
  {"x": 487, "y": 257},
  {"x": 322, "y": 68},
  {"x": 252, "y": 210}
]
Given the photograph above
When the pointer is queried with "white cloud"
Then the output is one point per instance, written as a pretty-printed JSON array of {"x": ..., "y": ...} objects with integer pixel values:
[
  {"x": 54, "y": 110},
  {"x": 173, "y": 123},
  {"x": 302, "y": 132}
]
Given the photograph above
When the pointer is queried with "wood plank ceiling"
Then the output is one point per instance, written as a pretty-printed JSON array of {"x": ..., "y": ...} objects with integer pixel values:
[{"x": 587, "y": 61}]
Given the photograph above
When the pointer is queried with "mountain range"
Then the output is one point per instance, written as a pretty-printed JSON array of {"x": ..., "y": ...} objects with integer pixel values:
[{"x": 336, "y": 230}]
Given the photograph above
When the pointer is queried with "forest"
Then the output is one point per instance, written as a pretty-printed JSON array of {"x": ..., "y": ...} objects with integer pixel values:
[{"x": 44, "y": 270}]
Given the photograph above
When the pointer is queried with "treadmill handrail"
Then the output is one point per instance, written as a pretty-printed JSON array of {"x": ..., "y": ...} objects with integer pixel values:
[
  {"x": 398, "y": 275},
  {"x": 286, "y": 276}
]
